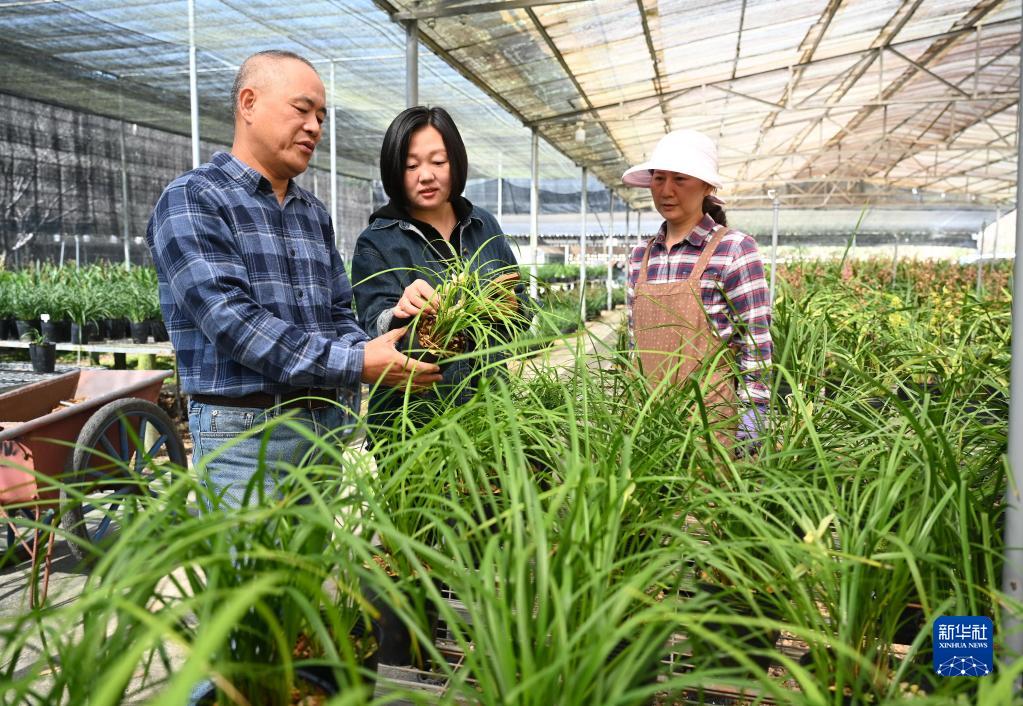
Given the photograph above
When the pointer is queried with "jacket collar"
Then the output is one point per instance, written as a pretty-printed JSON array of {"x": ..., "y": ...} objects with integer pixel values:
[{"x": 390, "y": 214}]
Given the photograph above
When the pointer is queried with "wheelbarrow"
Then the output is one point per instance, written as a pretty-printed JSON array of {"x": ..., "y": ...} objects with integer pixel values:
[{"x": 83, "y": 429}]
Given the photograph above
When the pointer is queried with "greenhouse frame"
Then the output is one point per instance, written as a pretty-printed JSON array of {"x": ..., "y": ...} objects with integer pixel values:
[{"x": 856, "y": 128}]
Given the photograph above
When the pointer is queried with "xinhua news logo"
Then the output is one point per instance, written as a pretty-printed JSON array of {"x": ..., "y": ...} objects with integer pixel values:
[{"x": 963, "y": 646}]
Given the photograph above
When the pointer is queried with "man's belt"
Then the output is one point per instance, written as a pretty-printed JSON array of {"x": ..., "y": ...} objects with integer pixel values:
[{"x": 308, "y": 398}]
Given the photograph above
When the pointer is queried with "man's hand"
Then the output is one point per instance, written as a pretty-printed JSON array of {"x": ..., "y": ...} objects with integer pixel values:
[
  {"x": 383, "y": 363},
  {"x": 418, "y": 296}
]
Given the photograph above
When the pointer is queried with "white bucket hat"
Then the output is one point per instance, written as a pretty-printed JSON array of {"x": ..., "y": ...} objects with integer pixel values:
[{"x": 683, "y": 151}]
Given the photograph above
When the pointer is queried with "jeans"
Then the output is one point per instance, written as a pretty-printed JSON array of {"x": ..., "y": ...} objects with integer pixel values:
[{"x": 228, "y": 443}]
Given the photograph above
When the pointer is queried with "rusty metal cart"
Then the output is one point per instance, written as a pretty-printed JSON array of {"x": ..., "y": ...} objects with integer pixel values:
[{"x": 82, "y": 428}]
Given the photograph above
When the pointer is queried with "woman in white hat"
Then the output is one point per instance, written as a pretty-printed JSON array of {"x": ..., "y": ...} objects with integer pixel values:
[{"x": 696, "y": 289}]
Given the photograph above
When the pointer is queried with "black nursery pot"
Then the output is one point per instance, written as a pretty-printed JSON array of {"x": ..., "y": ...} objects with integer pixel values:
[
  {"x": 117, "y": 329},
  {"x": 395, "y": 643},
  {"x": 8, "y": 330},
  {"x": 57, "y": 331},
  {"x": 646, "y": 675},
  {"x": 83, "y": 334},
  {"x": 159, "y": 330},
  {"x": 25, "y": 329},
  {"x": 139, "y": 331},
  {"x": 748, "y": 638},
  {"x": 205, "y": 694},
  {"x": 43, "y": 357}
]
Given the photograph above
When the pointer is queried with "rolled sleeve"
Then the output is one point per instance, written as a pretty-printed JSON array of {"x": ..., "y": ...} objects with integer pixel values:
[{"x": 749, "y": 296}]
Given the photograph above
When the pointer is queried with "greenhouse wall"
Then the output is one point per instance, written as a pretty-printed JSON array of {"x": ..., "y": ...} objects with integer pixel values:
[{"x": 60, "y": 176}]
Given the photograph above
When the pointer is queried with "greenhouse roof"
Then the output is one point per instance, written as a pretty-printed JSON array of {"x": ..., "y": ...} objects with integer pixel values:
[{"x": 829, "y": 103}]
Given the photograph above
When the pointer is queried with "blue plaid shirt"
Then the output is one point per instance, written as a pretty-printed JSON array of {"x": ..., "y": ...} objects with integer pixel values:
[{"x": 253, "y": 292}]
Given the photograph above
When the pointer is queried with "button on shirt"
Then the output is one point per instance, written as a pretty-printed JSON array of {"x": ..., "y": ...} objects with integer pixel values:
[
  {"x": 253, "y": 291},
  {"x": 733, "y": 289}
]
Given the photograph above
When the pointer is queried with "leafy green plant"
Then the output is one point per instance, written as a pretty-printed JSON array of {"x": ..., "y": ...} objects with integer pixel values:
[
  {"x": 558, "y": 523},
  {"x": 472, "y": 309}
]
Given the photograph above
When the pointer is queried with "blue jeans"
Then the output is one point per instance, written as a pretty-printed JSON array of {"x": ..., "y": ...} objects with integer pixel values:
[{"x": 229, "y": 441}]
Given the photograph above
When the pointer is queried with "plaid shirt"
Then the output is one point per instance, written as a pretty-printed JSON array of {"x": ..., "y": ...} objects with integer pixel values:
[
  {"x": 734, "y": 291},
  {"x": 253, "y": 292}
]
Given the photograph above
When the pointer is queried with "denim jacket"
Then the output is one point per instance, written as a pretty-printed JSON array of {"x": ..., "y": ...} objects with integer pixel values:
[{"x": 391, "y": 253}]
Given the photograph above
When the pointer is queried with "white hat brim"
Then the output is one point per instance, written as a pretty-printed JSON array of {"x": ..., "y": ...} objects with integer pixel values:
[{"x": 640, "y": 176}]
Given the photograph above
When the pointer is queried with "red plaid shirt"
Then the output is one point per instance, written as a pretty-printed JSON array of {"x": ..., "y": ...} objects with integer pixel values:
[{"x": 734, "y": 291}]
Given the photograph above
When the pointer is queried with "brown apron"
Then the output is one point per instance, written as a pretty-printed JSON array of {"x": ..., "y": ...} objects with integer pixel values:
[{"x": 674, "y": 336}]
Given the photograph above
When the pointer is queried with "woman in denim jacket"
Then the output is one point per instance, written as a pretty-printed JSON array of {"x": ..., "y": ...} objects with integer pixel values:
[{"x": 425, "y": 227}]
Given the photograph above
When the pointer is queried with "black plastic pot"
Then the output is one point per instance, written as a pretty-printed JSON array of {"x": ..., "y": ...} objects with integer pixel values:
[
  {"x": 8, "y": 331},
  {"x": 139, "y": 331},
  {"x": 83, "y": 334},
  {"x": 57, "y": 331},
  {"x": 322, "y": 678},
  {"x": 396, "y": 645},
  {"x": 117, "y": 329},
  {"x": 43, "y": 357},
  {"x": 159, "y": 330},
  {"x": 646, "y": 675},
  {"x": 753, "y": 639},
  {"x": 26, "y": 329},
  {"x": 911, "y": 622}
]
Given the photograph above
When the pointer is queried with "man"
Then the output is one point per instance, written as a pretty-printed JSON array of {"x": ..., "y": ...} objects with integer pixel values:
[{"x": 256, "y": 299}]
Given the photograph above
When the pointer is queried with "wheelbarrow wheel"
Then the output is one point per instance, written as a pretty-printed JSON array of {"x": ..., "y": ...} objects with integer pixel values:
[{"x": 105, "y": 474}]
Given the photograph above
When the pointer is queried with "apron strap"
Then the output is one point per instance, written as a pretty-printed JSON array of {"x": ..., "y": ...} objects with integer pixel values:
[
  {"x": 701, "y": 263},
  {"x": 708, "y": 251},
  {"x": 646, "y": 261}
]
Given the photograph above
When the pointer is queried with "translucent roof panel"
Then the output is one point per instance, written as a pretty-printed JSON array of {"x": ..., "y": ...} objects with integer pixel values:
[
  {"x": 828, "y": 103},
  {"x": 130, "y": 60},
  {"x": 825, "y": 102}
]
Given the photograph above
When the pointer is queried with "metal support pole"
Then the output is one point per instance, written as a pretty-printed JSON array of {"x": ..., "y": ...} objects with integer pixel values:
[
  {"x": 193, "y": 89},
  {"x": 125, "y": 208},
  {"x": 994, "y": 245},
  {"x": 1012, "y": 572},
  {"x": 775, "y": 206},
  {"x": 500, "y": 192},
  {"x": 610, "y": 243},
  {"x": 895, "y": 260},
  {"x": 78, "y": 251},
  {"x": 980, "y": 258},
  {"x": 338, "y": 242},
  {"x": 639, "y": 229},
  {"x": 534, "y": 210},
  {"x": 582, "y": 248},
  {"x": 411, "y": 63}
]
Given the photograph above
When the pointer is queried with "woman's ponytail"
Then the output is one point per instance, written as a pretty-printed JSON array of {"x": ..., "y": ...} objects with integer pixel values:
[{"x": 715, "y": 211}]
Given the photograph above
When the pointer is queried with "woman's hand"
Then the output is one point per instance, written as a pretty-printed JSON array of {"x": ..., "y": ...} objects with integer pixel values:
[{"x": 417, "y": 297}]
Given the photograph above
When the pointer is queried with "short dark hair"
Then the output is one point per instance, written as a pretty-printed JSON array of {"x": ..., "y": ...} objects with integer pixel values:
[
  {"x": 246, "y": 69},
  {"x": 394, "y": 150}
]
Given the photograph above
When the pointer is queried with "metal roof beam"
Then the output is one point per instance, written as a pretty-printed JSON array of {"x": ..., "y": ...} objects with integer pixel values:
[
  {"x": 919, "y": 144},
  {"x": 454, "y": 9},
  {"x": 775, "y": 106},
  {"x": 937, "y": 49},
  {"x": 566, "y": 115},
  {"x": 807, "y": 48},
  {"x": 924, "y": 69},
  {"x": 849, "y": 79},
  {"x": 738, "y": 39},
  {"x": 568, "y": 72},
  {"x": 658, "y": 79}
]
